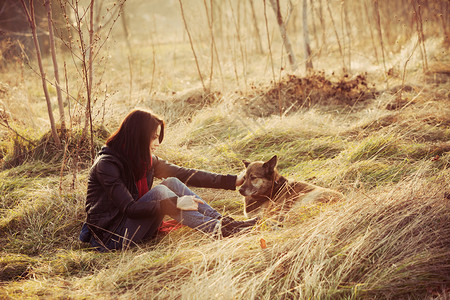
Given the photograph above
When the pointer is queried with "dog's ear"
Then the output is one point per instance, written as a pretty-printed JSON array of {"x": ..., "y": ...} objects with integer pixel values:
[
  {"x": 271, "y": 163},
  {"x": 246, "y": 163}
]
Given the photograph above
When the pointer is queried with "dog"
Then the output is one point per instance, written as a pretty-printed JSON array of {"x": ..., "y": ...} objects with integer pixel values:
[{"x": 266, "y": 192}]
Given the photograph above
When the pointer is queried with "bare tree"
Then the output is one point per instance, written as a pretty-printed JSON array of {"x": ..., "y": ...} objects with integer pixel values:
[
  {"x": 130, "y": 50},
  {"x": 236, "y": 21},
  {"x": 255, "y": 24},
  {"x": 48, "y": 7},
  {"x": 370, "y": 29},
  {"x": 282, "y": 26},
  {"x": 380, "y": 33},
  {"x": 322, "y": 22},
  {"x": 349, "y": 33},
  {"x": 32, "y": 22},
  {"x": 308, "y": 59},
  {"x": 313, "y": 20},
  {"x": 192, "y": 45},
  {"x": 268, "y": 41},
  {"x": 444, "y": 19},
  {"x": 337, "y": 35},
  {"x": 210, "y": 19},
  {"x": 86, "y": 58},
  {"x": 419, "y": 28},
  {"x": 84, "y": 50}
]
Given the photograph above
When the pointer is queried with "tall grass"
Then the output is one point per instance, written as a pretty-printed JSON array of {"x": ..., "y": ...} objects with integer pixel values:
[
  {"x": 391, "y": 243},
  {"x": 388, "y": 240}
]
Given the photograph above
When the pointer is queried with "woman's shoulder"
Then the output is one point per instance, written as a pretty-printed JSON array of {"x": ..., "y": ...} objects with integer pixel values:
[
  {"x": 161, "y": 162},
  {"x": 157, "y": 160},
  {"x": 107, "y": 158}
]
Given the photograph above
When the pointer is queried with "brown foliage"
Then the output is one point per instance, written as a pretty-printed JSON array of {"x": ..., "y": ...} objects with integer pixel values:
[
  {"x": 46, "y": 150},
  {"x": 294, "y": 93}
]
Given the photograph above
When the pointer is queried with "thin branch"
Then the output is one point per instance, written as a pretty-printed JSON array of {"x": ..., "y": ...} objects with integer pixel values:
[
  {"x": 4, "y": 122},
  {"x": 404, "y": 72},
  {"x": 308, "y": 58},
  {"x": 337, "y": 35},
  {"x": 419, "y": 28},
  {"x": 48, "y": 6},
  {"x": 282, "y": 26},
  {"x": 212, "y": 42},
  {"x": 268, "y": 41},
  {"x": 32, "y": 23},
  {"x": 192, "y": 45},
  {"x": 255, "y": 24},
  {"x": 371, "y": 31},
  {"x": 380, "y": 34},
  {"x": 241, "y": 49}
]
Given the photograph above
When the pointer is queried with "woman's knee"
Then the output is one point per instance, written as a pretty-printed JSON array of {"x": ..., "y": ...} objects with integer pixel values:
[
  {"x": 177, "y": 186},
  {"x": 171, "y": 182},
  {"x": 161, "y": 191}
]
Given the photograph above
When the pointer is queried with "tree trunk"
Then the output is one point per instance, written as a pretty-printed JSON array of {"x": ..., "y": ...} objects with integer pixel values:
[
  {"x": 210, "y": 18},
  {"x": 418, "y": 17},
  {"x": 255, "y": 24},
  {"x": 32, "y": 22},
  {"x": 48, "y": 6},
  {"x": 192, "y": 45},
  {"x": 322, "y": 23},
  {"x": 337, "y": 36},
  {"x": 314, "y": 27},
  {"x": 287, "y": 43},
  {"x": 380, "y": 33},
  {"x": 371, "y": 31},
  {"x": 349, "y": 34},
  {"x": 91, "y": 77},
  {"x": 308, "y": 61}
]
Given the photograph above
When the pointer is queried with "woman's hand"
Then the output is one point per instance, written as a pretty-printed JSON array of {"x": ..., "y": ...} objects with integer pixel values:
[
  {"x": 240, "y": 178},
  {"x": 188, "y": 202}
]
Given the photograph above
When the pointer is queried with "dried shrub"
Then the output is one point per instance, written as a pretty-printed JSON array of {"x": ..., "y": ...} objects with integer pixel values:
[
  {"x": 294, "y": 93},
  {"x": 46, "y": 150}
]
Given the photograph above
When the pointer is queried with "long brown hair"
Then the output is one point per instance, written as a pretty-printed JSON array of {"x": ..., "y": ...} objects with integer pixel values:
[{"x": 132, "y": 139}]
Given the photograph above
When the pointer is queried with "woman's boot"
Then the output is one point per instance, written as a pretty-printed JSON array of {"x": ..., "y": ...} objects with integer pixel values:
[{"x": 229, "y": 221}]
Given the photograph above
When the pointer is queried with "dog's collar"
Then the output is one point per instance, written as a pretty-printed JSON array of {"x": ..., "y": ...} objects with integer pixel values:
[
  {"x": 277, "y": 186},
  {"x": 281, "y": 181}
]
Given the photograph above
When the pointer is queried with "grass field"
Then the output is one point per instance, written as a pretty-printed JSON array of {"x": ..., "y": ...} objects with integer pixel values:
[{"x": 379, "y": 135}]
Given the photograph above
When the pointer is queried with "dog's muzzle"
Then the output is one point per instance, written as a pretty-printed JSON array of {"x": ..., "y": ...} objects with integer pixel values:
[{"x": 245, "y": 192}]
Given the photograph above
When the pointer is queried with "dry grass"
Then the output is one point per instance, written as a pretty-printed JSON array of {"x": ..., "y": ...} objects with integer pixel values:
[
  {"x": 385, "y": 147},
  {"x": 390, "y": 243},
  {"x": 388, "y": 240}
]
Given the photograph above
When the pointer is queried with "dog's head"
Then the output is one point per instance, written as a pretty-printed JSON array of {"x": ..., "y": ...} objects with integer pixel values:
[{"x": 258, "y": 183}]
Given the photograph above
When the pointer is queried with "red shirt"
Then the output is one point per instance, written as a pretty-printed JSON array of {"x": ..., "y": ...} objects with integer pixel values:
[{"x": 166, "y": 226}]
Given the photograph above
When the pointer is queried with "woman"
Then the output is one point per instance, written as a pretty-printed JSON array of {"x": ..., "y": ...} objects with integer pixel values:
[{"x": 121, "y": 205}]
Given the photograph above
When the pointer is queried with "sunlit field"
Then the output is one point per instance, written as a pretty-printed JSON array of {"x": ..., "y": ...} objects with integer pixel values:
[{"x": 365, "y": 111}]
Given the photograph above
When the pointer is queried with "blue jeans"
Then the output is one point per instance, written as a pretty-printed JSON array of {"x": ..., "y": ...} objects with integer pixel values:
[{"x": 205, "y": 219}]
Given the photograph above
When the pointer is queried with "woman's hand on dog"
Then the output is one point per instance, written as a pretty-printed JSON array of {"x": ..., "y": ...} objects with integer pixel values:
[
  {"x": 188, "y": 202},
  {"x": 240, "y": 178}
]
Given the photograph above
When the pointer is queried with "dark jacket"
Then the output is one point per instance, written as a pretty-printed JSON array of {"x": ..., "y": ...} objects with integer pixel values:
[{"x": 112, "y": 191}]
